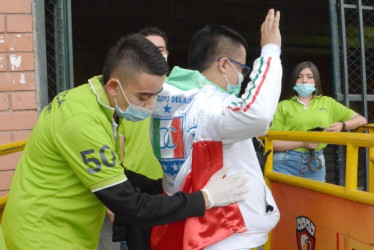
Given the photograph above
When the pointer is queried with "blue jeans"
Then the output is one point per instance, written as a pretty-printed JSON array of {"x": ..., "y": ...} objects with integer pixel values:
[
  {"x": 124, "y": 246},
  {"x": 298, "y": 164}
]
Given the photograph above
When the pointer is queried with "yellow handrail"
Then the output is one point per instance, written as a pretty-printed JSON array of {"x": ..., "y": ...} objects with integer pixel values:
[
  {"x": 12, "y": 147},
  {"x": 352, "y": 140},
  {"x": 368, "y": 127}
]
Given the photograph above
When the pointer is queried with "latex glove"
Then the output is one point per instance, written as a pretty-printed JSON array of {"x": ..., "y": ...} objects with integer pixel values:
[{"x": 222, "y": 190}]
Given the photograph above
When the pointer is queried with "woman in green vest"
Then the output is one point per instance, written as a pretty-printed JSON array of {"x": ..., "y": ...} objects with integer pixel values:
[{"x": 307, "y": 110}]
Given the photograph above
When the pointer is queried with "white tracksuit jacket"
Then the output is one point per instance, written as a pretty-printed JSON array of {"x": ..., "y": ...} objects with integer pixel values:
[{"x": 192, "y": 109}]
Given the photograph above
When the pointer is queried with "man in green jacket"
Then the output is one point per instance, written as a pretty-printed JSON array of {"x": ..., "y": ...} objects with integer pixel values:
[{"x": 70, "y": 171}]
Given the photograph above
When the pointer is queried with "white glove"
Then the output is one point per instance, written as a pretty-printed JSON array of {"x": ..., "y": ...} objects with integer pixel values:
[{"x": 222, "y": 190}]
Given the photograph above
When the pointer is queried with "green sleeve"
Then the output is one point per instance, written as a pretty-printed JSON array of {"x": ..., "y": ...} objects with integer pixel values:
[
  {"x": 341, "y": 112},
  {"x": 88, "y": 146}
]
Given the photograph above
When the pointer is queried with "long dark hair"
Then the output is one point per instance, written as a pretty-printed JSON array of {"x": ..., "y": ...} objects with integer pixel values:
[{"x": 296, "y": 71}]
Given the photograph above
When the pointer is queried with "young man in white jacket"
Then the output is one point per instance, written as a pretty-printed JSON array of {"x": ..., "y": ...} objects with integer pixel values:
[{"x": 199, "y": 123}]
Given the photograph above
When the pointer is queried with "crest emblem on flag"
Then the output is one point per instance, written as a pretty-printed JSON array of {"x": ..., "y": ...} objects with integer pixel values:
[
  {"x": 168, "y": 137},
  {"x": 168, "y": 146},
  {"x": 305, "y": 233}
]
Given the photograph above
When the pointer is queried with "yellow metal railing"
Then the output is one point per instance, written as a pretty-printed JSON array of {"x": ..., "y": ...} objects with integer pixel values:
[
  {"x": 370, "y": 129},
  {"x": 352, "y": 141},
  {"x": 5, "y": 149},
  {"x": 13, "y": 147}
]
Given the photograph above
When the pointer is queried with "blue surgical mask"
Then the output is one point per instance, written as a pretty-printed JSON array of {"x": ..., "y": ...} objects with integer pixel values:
[
  {"x": 304, "y": 89},
  {"x": 133, "y": 112},
  {"x": 234, "y": 89}
]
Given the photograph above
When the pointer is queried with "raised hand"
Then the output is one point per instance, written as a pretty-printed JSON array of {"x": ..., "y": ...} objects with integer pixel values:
[{"x": 270, "y": 29}]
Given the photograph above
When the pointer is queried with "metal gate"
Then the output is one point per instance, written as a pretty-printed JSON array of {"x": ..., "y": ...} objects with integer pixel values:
[
  {"x": 352, "y": 39},
  {"x": 58, "y": 38}
]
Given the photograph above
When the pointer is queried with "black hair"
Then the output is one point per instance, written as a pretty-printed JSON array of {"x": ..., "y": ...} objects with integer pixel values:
[
  {"x": 154, "y": 31},
  {"x": 134, "y": 54},
  {"x": 296, "y": 71},
  {"x": 212, "y": 42}
]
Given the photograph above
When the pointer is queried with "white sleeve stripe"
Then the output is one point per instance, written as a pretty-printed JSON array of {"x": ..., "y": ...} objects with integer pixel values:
[{"x": 111, "y": 185}]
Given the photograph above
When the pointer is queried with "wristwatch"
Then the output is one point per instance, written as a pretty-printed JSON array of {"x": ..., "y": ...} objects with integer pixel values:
[{"x": 343, "y": 128}]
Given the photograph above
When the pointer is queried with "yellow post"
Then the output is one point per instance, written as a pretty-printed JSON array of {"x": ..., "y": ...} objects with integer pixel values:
[
  {"x": 269, "y": 160},
  {"x": 351, "y": 167},
  {"x": 268, "y": 169},
  {"x": 371, "y": 162},
  {"x": 369, "y": 128},
  {"x": 371, "y": 170}
]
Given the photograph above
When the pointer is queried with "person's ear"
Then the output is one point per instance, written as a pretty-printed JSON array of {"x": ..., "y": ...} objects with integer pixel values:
[
  {"x": 222, "y": 65},
  {"x": 112, "y": 87}
]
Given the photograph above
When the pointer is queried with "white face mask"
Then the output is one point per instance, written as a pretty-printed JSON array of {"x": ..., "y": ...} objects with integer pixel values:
[
  {"x": 133, "y": 112},
  {"x": 165, "y": 56}
]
